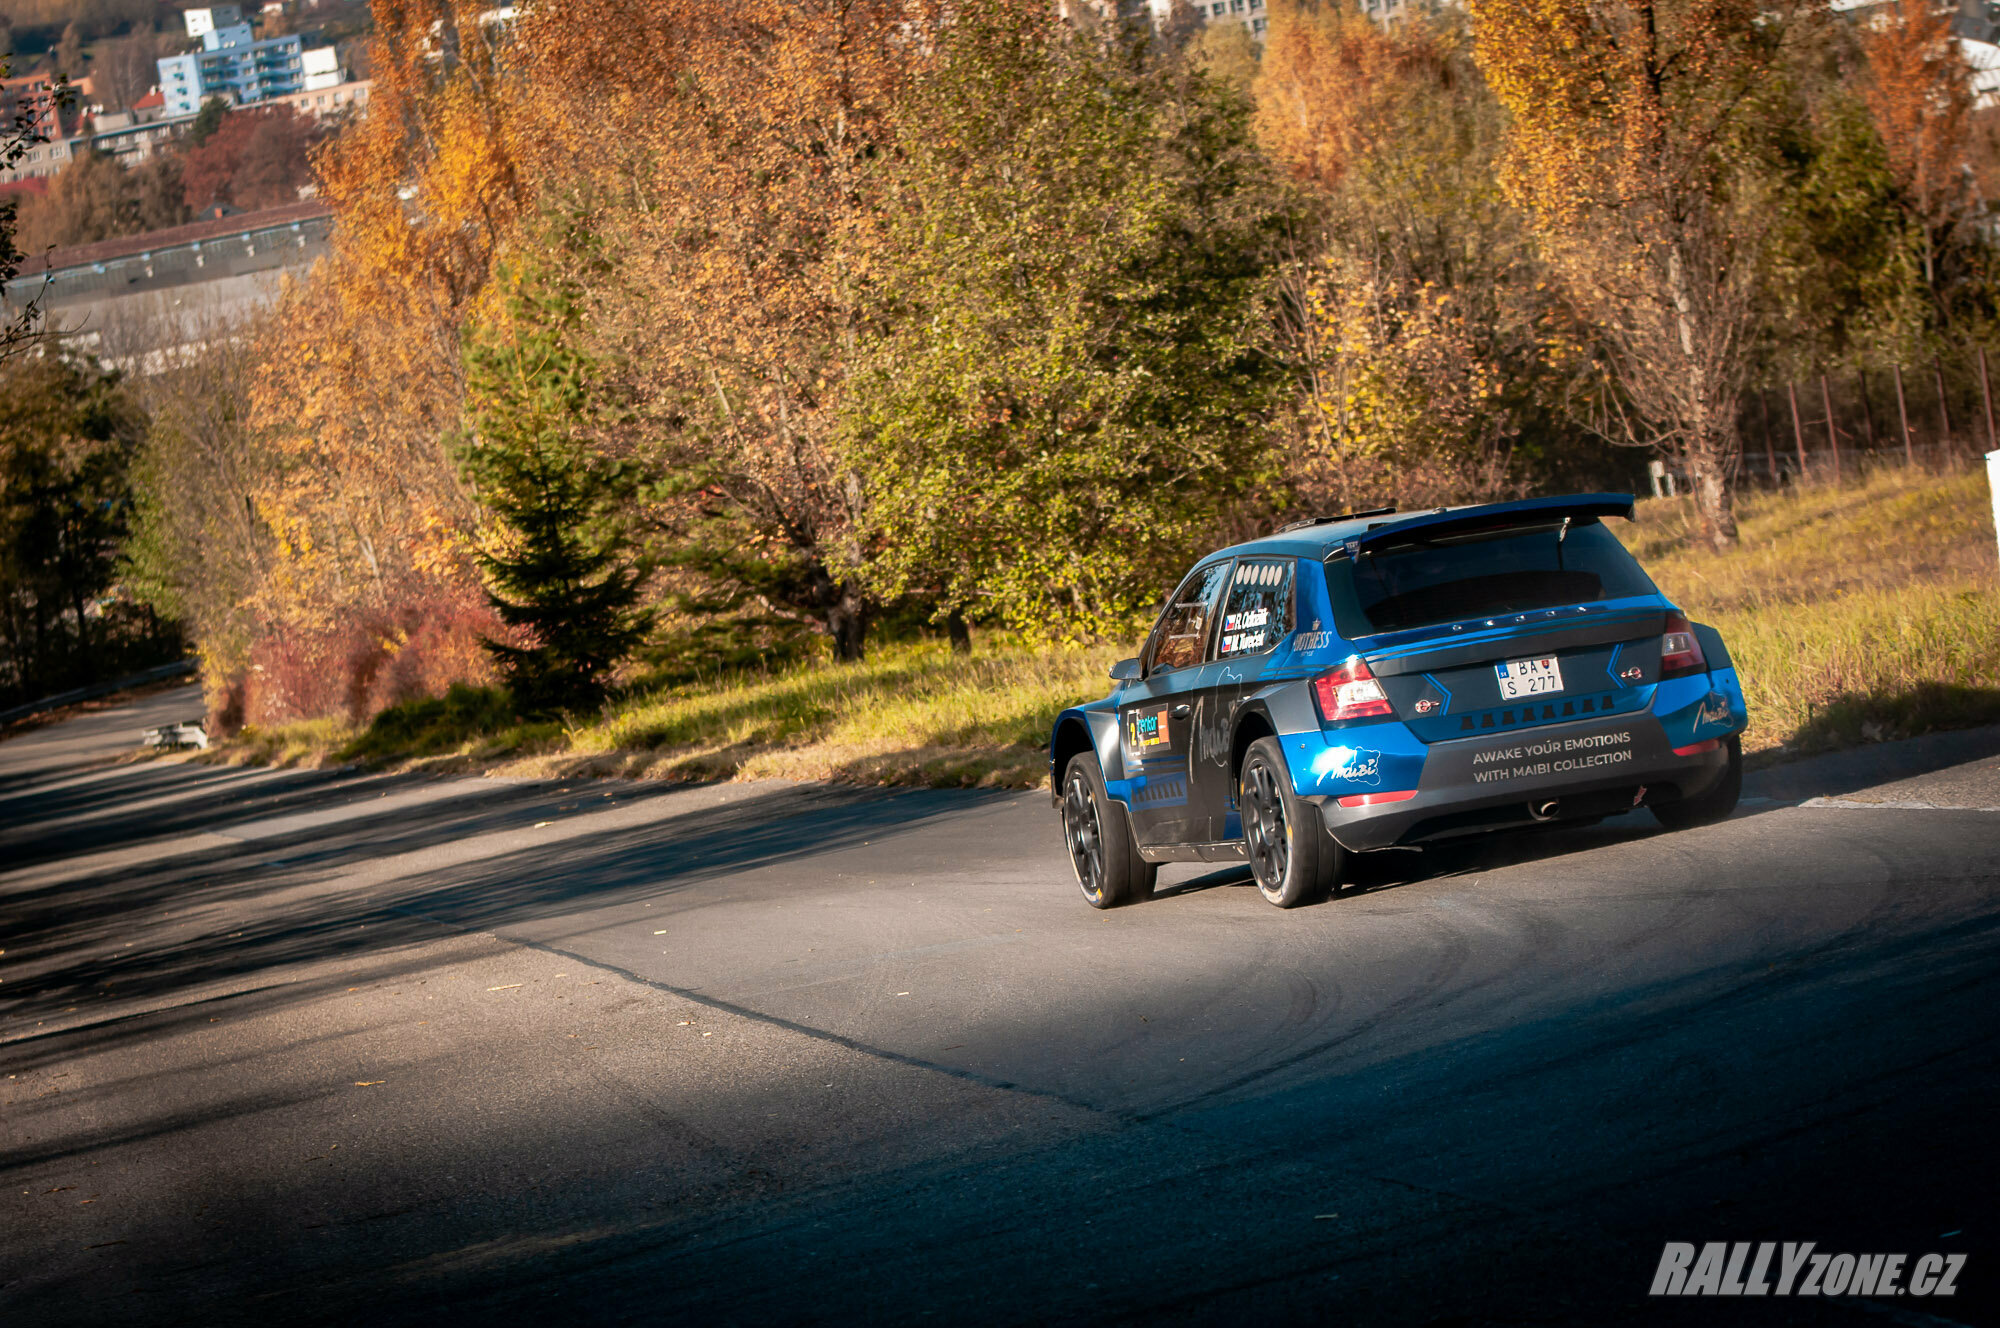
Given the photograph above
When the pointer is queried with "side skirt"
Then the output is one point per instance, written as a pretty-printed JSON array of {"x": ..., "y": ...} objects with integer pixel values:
[{"x": 1226, "y": 850}]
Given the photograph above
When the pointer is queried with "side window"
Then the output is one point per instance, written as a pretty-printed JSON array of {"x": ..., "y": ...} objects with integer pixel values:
[
  {"x": 1258, "y": 612},
  {"x": 1181, "y": 638}
]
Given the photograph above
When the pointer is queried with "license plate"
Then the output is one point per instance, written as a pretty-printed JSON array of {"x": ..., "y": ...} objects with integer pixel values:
[{"x": 1529, "y": 677}]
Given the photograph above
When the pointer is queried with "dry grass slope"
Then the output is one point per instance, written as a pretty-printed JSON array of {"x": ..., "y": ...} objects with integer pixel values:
[{"x": 1854, "y": 614}]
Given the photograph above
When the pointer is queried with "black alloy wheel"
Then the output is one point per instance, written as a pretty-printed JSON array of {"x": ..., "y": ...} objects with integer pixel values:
[
  {"x": 1266, "y": 835},
  {"x": 1109, "y": 870},
  {"x": 1292, "y": 857}
]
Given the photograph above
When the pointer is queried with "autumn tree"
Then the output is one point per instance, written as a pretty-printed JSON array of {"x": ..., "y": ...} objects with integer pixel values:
[
  {"x": 1064, "y": 382},
  {"x": 1416, "y": 310},
  {"x": 1918, "y": 92},
  {"x": 361, "y": 386},
  {"x": 199, "y": 548},
  {"x": 126, "y": 68},
  {"x": 557, "y": 554},
  {"x": 254, "y": 159},
  {"x": 733, "y": 157},
  {"x": 66, "y": 60},
  {"x": 19, "y": 325},
  {"x": 1633, "y": 126},
  {"x": 95, "y": 197},
  {"x": 66, "y": 442}
]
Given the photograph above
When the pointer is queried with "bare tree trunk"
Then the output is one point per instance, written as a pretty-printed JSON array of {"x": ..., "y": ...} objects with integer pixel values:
[
  {"x": 1708, "y": 476},
  {"x": 960, "y": 633},
  {"x": 847, "y": 623},
  {"x": 1711, "y": 426}
]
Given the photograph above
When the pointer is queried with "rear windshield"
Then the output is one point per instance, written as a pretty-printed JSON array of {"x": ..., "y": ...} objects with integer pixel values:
[{"x": 1482, "y": 575}]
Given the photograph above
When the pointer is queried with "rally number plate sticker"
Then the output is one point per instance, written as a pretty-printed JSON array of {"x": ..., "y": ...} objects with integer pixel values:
[{"x": 1522, "y": 678}]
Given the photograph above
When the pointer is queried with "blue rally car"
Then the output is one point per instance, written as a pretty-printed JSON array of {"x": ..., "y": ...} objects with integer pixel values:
[{"x": 1374, "y": 680}]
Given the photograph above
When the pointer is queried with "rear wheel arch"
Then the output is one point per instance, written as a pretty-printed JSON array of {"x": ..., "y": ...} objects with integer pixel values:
[{"x": 1250, "y": 726}]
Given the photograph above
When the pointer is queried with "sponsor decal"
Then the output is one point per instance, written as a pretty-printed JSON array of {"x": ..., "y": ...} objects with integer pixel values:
[
  {"x": 1312, "y": 638},
  {"x": 1356, "y": 765},
  {"x": 1146, "y": 729},
  {"x": 1796, "y": 1268},
  {"x": 1714, "y": 710},
  {"x": 1552, "y": 756}
]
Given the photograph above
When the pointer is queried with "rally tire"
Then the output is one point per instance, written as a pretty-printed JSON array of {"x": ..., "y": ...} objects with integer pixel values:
[
  {"x": 1292, "y": 857},
  {"x": 1098, "y": 834},
  {"x": 1710, "y": 807}
]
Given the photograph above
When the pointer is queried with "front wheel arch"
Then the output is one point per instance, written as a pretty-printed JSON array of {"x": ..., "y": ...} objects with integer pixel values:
[{"x": 1072, "y": 739}]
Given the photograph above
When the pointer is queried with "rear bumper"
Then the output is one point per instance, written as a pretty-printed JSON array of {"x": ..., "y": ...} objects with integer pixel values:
[
  {"x": 1410, "y": 792},
  {"x": 1547, "y": 774}
]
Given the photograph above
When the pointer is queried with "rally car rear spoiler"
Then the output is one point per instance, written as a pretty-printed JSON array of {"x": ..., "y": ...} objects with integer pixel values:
[{"x": 1490, "y": 516}]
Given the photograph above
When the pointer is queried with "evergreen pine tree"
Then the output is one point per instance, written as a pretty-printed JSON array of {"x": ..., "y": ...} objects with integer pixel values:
[{"x": 560, "y": 565}]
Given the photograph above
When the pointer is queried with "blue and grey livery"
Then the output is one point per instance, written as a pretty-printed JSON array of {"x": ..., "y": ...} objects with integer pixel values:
[{"x": 1381, "y": 680}]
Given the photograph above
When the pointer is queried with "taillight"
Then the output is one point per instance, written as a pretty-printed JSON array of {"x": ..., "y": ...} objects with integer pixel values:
[
  {"x": 1350, "y": 692},
  {"x": 1679, "y": 652}
]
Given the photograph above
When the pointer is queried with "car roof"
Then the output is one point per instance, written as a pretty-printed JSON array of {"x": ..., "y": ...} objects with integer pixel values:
[{"x": 1320, "y": 540}]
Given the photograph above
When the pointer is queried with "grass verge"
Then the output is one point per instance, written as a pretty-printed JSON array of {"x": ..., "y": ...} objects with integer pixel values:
[{"x": 1854, "y": 614}]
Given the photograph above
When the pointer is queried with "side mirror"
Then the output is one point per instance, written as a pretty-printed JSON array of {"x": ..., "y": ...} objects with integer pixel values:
[{"x": 1126, "y": 670}]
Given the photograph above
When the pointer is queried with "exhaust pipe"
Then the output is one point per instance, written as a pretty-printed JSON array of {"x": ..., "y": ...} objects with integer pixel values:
[{"x": 1543, "y": 811}]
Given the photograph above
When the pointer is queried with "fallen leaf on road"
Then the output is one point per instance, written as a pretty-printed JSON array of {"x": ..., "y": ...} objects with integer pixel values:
[
  {"x": 59, "y": 1189},
  {"x": 104, "y": 1245},
  {"x": 1324, "y": 1217},
  {"x": 902, "y": 993},
  {"x": 540, "y": 824},
  {"x": 369, "y": 1083},
  {"x": 509, "y": 986}
]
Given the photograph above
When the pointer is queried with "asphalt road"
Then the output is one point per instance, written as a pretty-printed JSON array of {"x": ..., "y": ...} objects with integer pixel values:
[{"x": 327, "y": 1047}]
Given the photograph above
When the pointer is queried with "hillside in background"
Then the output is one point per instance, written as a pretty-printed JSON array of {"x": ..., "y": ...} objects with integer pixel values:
[{"x": 1855, "y": 614}]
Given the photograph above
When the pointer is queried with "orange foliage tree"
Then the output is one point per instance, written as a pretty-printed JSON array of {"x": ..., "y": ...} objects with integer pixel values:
[
  {"x": 1919, "y": 96},
  {"x": 360, "y": 391},
  {"x": 731, "y": 160},
  {"x": 254, "y": 159},
  {"x": 1633, "y": 125}
]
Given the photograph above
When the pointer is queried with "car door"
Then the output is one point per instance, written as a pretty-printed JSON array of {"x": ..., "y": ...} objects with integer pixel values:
[
  {"x": 1154, "y": 717},
  {"x": 1256, "y": 614}
]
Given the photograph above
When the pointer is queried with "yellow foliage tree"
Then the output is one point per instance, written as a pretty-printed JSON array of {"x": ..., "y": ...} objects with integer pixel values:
[
  {"x": 1632, "y": 123},
  {"x": 360, "y": 390}
]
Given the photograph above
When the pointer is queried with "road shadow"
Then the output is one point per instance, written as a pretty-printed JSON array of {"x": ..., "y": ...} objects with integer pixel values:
[
  {"x": 1469, "y": 1175},
  {"x": 64, "y": 934}
]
